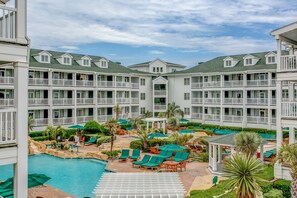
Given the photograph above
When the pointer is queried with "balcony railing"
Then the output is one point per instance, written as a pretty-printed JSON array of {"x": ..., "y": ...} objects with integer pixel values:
[
  {"x": 134, "y": 114},
  {"x": 257, "y": 101},
  {"x": 63, "y": 101},
  {"x": 196, "y": 85},
  {"x": 232, "y": 118},
  {"x": 123, "y": 100},
  {"x": 273, "y": 82},
  {"x": 258, "y": 83},
  {"x": 134, "y": 100},
  {"x": 105, "y": 101},
  {"x": 160, "y": 107},
  {"x": 289, "y": 109},
  {"x": 103, "y": 84},
  {"x": 197, "y": 115},
  {"x": 40, "y": 122},
  {"x": 84, "y": 119},
  {"x": 7, "y": 102},
  {"x": 233, "y": 83},
  {"x": 135, "y": 85},
  {"x": 38, "y": 81},
  {"x": 160, "y": 92},
  {"x": 38, "y": 101},
  {"x": 233, "y": 100},
  {"x": 84, "y": 101},
  {"x": 288, "y": 63},
  {"x": 212, "y": 117},
  {"x": 257, "y": 120},
  {"x": 273, "y": 101},
  {"x": 62, "y": 82},
  {"x": 84, "y": 83},
  {"x": 273, "y": 121},
  {"x": 104, "y": 118},
  {"x": 63, "y": 121},
  {"x": 212, "y": 84},
  {"x": 6, "y": 80},
  {"x": 7, "y": 126},
  {"x": 197, "y": 100},
  {"x": 123, "y": 84},
  {"x": 8, "y": 23},
  {"x": 212, "y": 100}
]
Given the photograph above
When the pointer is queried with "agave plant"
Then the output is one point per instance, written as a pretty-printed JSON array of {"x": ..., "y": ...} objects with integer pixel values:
[
  {"x": 247, "y": 143},
  {"x": 244, "y": 173},
  {"x": 287, "y": 155}
]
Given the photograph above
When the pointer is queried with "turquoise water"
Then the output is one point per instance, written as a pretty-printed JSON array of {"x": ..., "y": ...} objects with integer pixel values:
[{"x": 74, "y": 176}]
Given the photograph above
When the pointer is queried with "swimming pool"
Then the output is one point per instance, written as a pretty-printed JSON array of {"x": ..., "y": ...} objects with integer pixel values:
[{"x": 74, "y": 176}]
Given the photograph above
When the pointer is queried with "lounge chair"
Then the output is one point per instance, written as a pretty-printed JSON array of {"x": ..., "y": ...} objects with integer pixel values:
[
  {"x": 153, "y": 163},
  {"x": 165, "y": 155},
  {"x": 145, "y": 159},
  {"x": 129, "y": 128},
  {"x": 125, "y": 154},
  {"x": 181, "y": 156},
  {"x": 93, "y": 140},
  {"x": 135, "y": 154}
]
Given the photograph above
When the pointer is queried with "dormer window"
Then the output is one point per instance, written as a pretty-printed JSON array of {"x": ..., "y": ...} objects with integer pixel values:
[
  {"x": 228, "y": 63},
  {"x": 44, "y": 58},
  {"x": 86, "y": 62},
  {"x": 103, "y": 64},
  {"x": 66, "y": 61},
  {"x": 248, "y": 61},
  {"x": 270, "y": 58}
]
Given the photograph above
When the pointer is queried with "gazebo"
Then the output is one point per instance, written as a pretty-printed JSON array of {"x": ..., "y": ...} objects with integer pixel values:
[
  {"x": 161, "y": 122},
  {"x": 216, "y": 156}
]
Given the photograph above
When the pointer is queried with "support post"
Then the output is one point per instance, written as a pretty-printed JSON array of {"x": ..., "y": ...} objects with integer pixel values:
[
  {"x": 262, "y": 153},
  {"x": 292, "y": 139},
  {"x": 214, "y": 161},
  {"x": 219, "y": 154}
]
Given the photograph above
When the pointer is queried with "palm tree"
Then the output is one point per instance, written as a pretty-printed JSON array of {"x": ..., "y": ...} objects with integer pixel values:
[
  {"x": 173, "y": 109},
  {"x": 117, "y": 109},
  {"x": 136, "y": 121},
  {"x": 143, "y": 134},
  {"x": 244, "y": 173},
  {"x": 52, "y": 132},
  {"x": 148, "y": 114},
  {"x": 181, "y": 139},
  {"x": 30, "y": 123},
  {"x": 288, "y": 155},
  {"x": 113, "y": 126},
  {"x": 247, "y": 143}
]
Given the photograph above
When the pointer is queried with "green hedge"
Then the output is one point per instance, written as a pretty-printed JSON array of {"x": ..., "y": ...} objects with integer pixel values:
[
  {"x": 201, "y": 157},
  {"x": 104, "y": 139},
  {"x": 136, "y": 144},
  {"x": 40, "y": 138},
  {"x": 112, "y": 154},
  {"x": 274, "y": 193},
  {"x": 36, "y": 134},
  {"x": 93, "y": 127},
  {"x": 284, "y": 186},
  {"x": 194, "y": 124},
  {"x": 124, "y": 126}
]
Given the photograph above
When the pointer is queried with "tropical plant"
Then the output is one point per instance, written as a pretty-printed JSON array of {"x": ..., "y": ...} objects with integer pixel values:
[
  {"x": 161, "y": 115},
  {"x": 93, "y": 126},
  {"x": 53, "y": 132},
  {"x": 173, "y": 109},
  {"x": 30, "y": 123},
  {"x": 143, "y": 134},
  {"x": 148, "y": 114},
  {"x": 117, "y": 109},
  {"x": 287, "y": 155},
  {"x": 172, "y": 121},
  {"x": 245, "y": 175},
  {"x": 136, "y": 122},
  {"x": 181, "y": 139},
  {"x": 247, "y": 143},
  {"x": 113, "y": 126}
]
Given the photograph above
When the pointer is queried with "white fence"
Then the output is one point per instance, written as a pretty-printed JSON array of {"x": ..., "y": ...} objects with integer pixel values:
[
  {"x": 288, "y": 63},
  {"x": 7, "y": 23},
  {"x": 7, "y": 126}
]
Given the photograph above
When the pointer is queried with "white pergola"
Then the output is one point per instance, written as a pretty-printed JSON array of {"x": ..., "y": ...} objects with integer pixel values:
[
  {"x": 139, "y": 185},
  {"x": 160, "y": 121}
]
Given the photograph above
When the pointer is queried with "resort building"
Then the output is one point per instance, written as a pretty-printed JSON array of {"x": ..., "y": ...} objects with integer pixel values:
[
  {"x": 286, "y": 39},
  {"x": 14, "y": 46}
]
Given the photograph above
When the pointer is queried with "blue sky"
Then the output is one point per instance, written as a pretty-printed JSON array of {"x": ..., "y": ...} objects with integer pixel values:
[{"x": 179, "y": 31}]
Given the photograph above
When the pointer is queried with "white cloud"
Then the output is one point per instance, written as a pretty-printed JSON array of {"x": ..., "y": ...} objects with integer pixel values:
[
  {"x": 156, "y": 52},
  {"x": 69, "y": 47}
]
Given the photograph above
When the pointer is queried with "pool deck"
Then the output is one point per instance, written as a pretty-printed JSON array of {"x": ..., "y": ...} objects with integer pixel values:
[{"x": 47, "y": 191}]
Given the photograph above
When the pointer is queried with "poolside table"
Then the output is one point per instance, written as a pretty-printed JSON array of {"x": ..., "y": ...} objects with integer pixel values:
[{"x": 170, "y": 165}]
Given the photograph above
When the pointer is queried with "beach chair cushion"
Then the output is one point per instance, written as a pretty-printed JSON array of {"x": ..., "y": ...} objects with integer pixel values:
[
  {"x": 145, "y": 159},
  {"x": 125, "y": 154},
  {"x": 135, "y": 154}
]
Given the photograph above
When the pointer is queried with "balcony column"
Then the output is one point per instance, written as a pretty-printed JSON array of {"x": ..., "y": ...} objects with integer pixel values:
[
  {"x": 21, "y": 21},
  {"x": 214, "y": 162},
  {"x": 95, "y": 79},
  {"x": 21, "y": 128},
  {"x": 292, "y": 138},
  {"x": 279, "y": 133},
  {"x": 291, "y": 91},
  {"x": 95, "y": 98},
  {"x": 269, "y": 79},
  {"x": 221, "y": 103},
  {"x": 219, "y": 154},
  {"x": 269, "y": 98},
  {"x": 74, "y": 96},
  {"x": 50, "y": 97},
  {"x": 279, "y": 53}
]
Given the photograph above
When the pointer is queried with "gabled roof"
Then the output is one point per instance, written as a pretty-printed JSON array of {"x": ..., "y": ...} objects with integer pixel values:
[
  {"x": 146, "y": 64},
  {"x": 250, "y": 56},
  {"x": 222, "y": 139}
]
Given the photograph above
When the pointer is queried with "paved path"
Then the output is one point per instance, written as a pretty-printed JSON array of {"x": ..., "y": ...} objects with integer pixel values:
[{"x": 47, "y": 191}]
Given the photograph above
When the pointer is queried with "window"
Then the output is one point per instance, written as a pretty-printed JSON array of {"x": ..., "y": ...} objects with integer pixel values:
[
  {"x": 31, "y": 74},
  {"x": 173, "y": 70},
  {"x": 142, "y": 81},
  {"x": 104, "y": 64},
  {"x": 86, "y": 62},
  {"x": 228, "y": 63},
  {"x": 161, "y": 69},
  {"x": 142, "y": 96},
  {"x": 142, "y": 110},
  {"x": 186, "y": 81},
  {"x": 248, "y": 61},
  {"x": 157, "y": 69},
  {"x": 127, "y": 79},
  {"x": 44, "y": 59},
  {"x": 154, "y": 69},
  {"x": 186, "y": 96},
  {"x": 187, "y": 111},
  {"x": 270, "y": 59},
  {"x": 66, "y": 61}
]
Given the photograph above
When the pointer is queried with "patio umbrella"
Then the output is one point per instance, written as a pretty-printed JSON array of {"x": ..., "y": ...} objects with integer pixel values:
[
  {"x": 172, "y": 147},
  {"x": 183, "y": 120},
  {"x": 185, "y": 131},
  {"x": 33, "y": 180},
  {"x": 123, "y": 121},
  {"x": 76, "y": 127},
  {"x": 157, "y": 135}
]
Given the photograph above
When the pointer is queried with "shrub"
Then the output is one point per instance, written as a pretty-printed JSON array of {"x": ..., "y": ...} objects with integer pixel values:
[
  {"x": 284, "y": 186},
  {"x": 274, "y": 193},
  {"x": 136, "y": 144},
  {"x": 36, "y": 134},
  {"x": 208, "y": 132},
  {"x": 201, "y": 157},
  {"x": 112, "y": 154},
  {"x": 182, "y": 125},
  {"x": 203, "y": 141},
  {"x": 104, "y": 139},
  {"x": 93, "y": 127},
  {"x": 210, "y": 126},
  {"x": 69, "y": 133},
  {"x": 41, "y": 138},
  {"x": 124, "y": 126},
  {"x": 194, "y": 124},
  {"x": 266, "y": 187}
]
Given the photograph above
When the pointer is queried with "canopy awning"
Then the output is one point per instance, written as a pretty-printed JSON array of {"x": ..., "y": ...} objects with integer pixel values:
[{"x": 139, "y": 185}]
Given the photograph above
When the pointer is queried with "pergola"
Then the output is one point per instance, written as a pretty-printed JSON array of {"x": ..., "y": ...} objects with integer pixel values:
[
  {"x": 216, "y": 155},
  {"x": 161, "y": 122}
]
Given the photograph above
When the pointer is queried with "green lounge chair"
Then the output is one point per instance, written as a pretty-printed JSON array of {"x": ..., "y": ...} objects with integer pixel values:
[
  {"x": 125, "y": 154},
  {"x": 181, "y": 156},
  {"x": 215, "y": 180},
  {"x": 154, "y": 162},
  {"x": 129, "y": 128},
  {"x": 145, "y": 159},
  {"x": 93, "y": 140},
  {"x": 165, "y": 155},
  {"x": 135, "y": 154},
  {"x": 6, "y": 192}
]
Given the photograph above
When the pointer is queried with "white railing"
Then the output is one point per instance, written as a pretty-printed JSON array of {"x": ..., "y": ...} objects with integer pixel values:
[
  {"x": 38, "y": 81},
  {"x": 273, "y": 101},
  {"x": 233, "y": 100},
  {"x": 232, "y": 118},
  {"x": 84, "y": 119},
  {"x": 123, "y": 84},
  {"x": 135, "y": 85},
  {"x": 84, "y": 101},
  {"x": 273, "y": 121},
  {"x": 105, "y": 84},
  {"x": 37, "y": 101},
  {"x": 6, "y": 102},
  {"x": 7, "y": 23},
  {"x": 63, "y": 121},
  {"x": 62, "y": 82},
  {"x": 197, "y": 115},
  {"x": 273, "y": 82},
  {"x": 6, "y": 80},
  {"x": 257, "y": 120},
  {"x": 288, "y": 63},
  {"x": 134, "y": 100},
  {"x": 257, "y": 83},
  {"x": 212, "y": 117},
  {"x": 134, "y": 114},
  {"x": 197, "y": 100},
  {"x": 160, "y": 92},
  {"x": 123, "y": 100},
  {"x": 63, "y": 101},
  {"x": 84, "y": 83},
  {"x": 212, "y": 100},
  {"x": 212, "y": 84},
  {"x": 105, "y": 101},
  {"x": 160, "y": 107},
  {"x": 257, "y": 101},
  {"x": 233, "y": 83},
  {"x": 289, "y": 109},
  {"x": 7, "y": 126},
  {"x": 104, "y": 118},
  {"x": 40, "y": 122},
  {"x": 197, "y": 85}
]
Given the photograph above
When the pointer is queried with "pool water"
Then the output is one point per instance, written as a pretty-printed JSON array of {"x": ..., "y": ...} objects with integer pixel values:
[{"x": 77, "y": 177}]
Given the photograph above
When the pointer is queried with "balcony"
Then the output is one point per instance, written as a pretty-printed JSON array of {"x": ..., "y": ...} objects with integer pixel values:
[
  {"x": 37, "y": 101},
  {"x": 212, "y": 117},
  {"x": 123, "y": 100},
  {"x": 105, "y": 84},
  {"x": 63, "y": 121},
  {"x": 38, "y": 81},
  {"x": 212, "y": 100},
  {"x": 6, "y": 80},
  {"x": 257, "y": 101},
  {"x": 257, "y": 83},
  {"x": 160, "y": 107},
  {"x": 134, "y": 114},
  {"x": 232, "y": 118},
  {"x": 123, "y": 84},
  {"x": 62, "y": 82},
  {"x": 7, "y": 102},
  {"x": 135, "y": 100},
  {"x": 273, "y": 121},
  {"x": 63, "y": 101},
  {"x": 135, "y": 85},
  {"x": 104, "y": 118},
  {"x": 84, "y": 83},
  {"x": 197, "y": 115},
  {"x": 84, "y": 101},
  {"x": 212, "y": 84},
  {"x": 197, "y": 100},
  {"x": 105, "y": 101},
  {"x": 197, "y": 85},
  {"x": 232, "y": 101},
  {"x": 289, "y": 109},
  {"x": 40, "y": 122},
  {"x": 7, "y": 128},
  {"x": 233, "y": 83},
  {"x": 257, "y": 120},
  {"x": 288, "y": 63},
  {"x": 160, "y": 92},
  {"x": 84, "y": 119},
  {"x": 8, "y": 24},
  {"x": 273, "y": 101}
]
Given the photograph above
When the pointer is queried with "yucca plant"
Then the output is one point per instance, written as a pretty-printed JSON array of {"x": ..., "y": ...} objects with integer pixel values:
[
  {"x": 247, "y": 142},
  {"x": 244, "y": 173}
]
